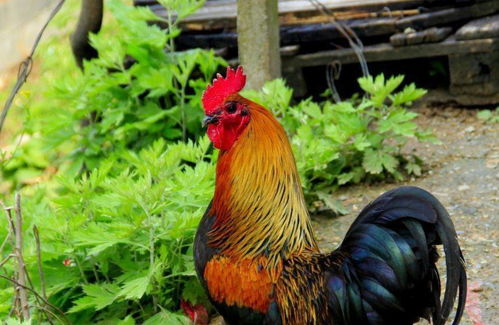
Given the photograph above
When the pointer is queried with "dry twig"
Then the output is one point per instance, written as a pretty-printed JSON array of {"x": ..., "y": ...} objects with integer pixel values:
[
  {"x": 47, "y": 303},
  {"x": 21, "y": 268},
  {"x": 20, "y": 304},
  {"x": 11, "y": 229}
]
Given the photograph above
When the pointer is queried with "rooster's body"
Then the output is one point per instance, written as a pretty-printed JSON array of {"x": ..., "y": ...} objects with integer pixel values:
[{"x": 258, "y": 260}]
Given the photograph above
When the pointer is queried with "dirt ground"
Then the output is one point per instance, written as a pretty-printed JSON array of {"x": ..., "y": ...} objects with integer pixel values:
[{"x": 463, "y": 174}]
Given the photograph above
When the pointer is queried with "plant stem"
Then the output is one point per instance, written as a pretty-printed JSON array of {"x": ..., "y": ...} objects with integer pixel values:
[
  {"x": 23, "y": 295},
  {"x": 94, "y": 269},
  {"x": 184, "y": 118},
  {"x": 77, "y": 262},
  {"x": 39, "y": 261},
  {"x": 151, "y": 235},
  {"x": 170, "y": 24}
]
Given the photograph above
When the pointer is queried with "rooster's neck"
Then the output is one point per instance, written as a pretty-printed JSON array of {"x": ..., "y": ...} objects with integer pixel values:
[{"x": 259, "y": 205}]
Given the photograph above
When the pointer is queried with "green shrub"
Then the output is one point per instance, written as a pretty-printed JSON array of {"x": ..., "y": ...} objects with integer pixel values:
[
  {"x": 117, "y": 225},
  {"x": 118, "y": 242},
  {"x": 114, "y": 106},
  {"x": 132, "y": 94},
  {"x": 351, "y": 141}
]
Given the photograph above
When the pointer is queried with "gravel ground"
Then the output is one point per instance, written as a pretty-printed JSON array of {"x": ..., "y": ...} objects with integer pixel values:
[{"x": 463, "y": 174}]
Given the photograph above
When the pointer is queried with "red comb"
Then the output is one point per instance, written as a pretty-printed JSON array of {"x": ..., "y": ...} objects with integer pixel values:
[{"x": 215, "y": 94}]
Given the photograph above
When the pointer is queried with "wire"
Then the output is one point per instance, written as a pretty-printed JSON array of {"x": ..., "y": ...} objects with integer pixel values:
[
  {"x": 353, "y": 40},
  {"x": 334, "y": 69},
  {"x": 25, "y": 67}
]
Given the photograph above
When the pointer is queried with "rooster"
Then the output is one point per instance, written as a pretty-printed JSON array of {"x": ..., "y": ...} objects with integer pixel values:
[{"x": 256, "y": 254}]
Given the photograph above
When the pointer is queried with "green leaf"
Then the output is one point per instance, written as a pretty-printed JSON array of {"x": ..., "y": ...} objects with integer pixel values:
[
  {"x": 372, "y": 162},
  {"x": 399, "y": 122},
  {"x": 375, "y": 160},
  {"x": 427, "y": 135},
  {"x": 413, "y": 168},
  {"x": 97, "y": 297},
  {"x": 489, "y": 116},
  {"x": 166, "y": 317},
  {"x": 135, "y": 289},
  {"x": 127, "y": 321},
  {"x": 274, "y": 95},
  {"x": 484, "y": 114},
  {"x": 393, "y": 83},
  {"x": 361, "y": 142},
  {"x": 194, "y": 292},
  {"x": 378, "y": 89},
  {"x": 341, "y": 107},
  {"x": 183, "y": 8},
  {"x": 158, "y": 81},
  {"x": 389, "y": 162},
  {"x": 345, "y": 178},
  {"x": 313, "y": 110},
  {"x": 305, "y": 132},
  {"x": 335, "y": 205},
  {"x": 409, "y": 94},
  {"x": 335, "y": 133}
]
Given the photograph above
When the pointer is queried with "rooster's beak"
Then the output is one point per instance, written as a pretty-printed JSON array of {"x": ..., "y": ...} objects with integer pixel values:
[{"x": 209, "y": 119}]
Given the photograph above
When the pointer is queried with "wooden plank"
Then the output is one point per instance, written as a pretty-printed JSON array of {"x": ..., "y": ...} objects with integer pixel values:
[
  {"x": 387, "y": 52},
  {"x": 370, "y": 23},
  {"x": 450, "y": 15},
  {"x": 214, "y": 41},
  {"x": 291, "y": 35},
  {"x": 325, "y": 32},
  {"x": 226, "y": 9},
  {"x": 296, "y": 19},
  {"x": 487, "y": 27},
  {"x": 430, "y": 35}
]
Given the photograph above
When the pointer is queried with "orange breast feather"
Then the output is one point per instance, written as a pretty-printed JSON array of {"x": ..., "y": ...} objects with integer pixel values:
[{"x": 244, "y": 283}]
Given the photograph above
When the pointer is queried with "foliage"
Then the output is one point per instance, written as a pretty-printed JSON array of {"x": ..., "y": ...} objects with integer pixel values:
[
  {"x": 350, "y": 141},
  {"x": 118, "y": 241},
  {"x": 134, "y": 93},
  {"x": 117, "y": 224},
  {"x": 24, "y": 157}
]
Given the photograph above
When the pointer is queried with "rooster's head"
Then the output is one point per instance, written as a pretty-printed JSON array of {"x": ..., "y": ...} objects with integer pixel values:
[{"x": 227, "y": 113}]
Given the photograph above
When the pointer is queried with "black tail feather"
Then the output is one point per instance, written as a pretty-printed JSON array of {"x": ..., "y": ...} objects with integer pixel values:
[
  {"x": 456, "y": 273},
  {"x": 390, "y": 250}
]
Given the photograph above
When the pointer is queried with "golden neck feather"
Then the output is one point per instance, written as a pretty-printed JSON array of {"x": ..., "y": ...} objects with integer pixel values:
[{"x": 259, "y": 205}]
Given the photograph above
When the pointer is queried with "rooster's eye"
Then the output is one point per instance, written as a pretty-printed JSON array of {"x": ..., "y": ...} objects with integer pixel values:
[{"x": 231, "y": 107}]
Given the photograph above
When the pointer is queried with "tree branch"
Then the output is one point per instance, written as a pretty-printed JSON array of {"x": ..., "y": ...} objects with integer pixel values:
[{"x": 90, "y": 21}]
